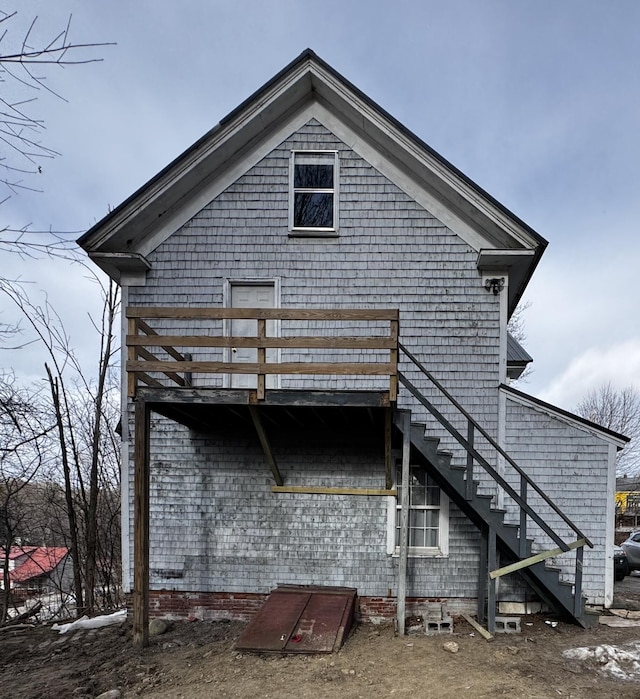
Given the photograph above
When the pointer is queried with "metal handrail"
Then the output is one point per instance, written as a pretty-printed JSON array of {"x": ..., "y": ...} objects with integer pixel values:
[{"x": 482, "y": 461}]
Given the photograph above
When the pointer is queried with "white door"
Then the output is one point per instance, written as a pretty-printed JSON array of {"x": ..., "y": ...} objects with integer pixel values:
[{"x": 251, "y": 296}]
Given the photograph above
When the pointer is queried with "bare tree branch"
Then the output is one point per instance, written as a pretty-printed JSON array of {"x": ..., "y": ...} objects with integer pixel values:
[{"x": 617, "y": 410}]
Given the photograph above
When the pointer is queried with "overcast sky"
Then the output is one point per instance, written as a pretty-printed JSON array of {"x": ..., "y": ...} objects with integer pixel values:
[{"x": 538, "y": 102}]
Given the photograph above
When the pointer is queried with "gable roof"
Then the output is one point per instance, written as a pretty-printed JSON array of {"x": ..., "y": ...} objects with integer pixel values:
[
  {"x": 620, "y": 440},
  {"x": 40, "y": 561},
  {"x": 309, "y": 88}
]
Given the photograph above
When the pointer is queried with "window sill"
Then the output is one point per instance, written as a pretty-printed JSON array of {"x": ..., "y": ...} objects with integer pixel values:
[
  {"x": 422, "y": 553},
  {"x": 303, "y": 233}
]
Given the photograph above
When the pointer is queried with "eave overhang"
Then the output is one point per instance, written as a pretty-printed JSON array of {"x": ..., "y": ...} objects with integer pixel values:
[
  {"x": 517, "y": 264},
  {"x": 121, "y": 265}
]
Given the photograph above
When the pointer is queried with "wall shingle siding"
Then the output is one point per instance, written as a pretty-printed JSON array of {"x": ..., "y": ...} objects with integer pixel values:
[
  {"x": 568, "y": 463},
  {"x": 216, "y": 525}
]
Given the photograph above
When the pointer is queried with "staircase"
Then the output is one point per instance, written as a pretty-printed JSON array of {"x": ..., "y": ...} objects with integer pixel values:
[{"x": 502, "y": 541}]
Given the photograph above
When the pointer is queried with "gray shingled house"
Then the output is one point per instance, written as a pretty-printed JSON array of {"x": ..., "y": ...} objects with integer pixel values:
[{"x": 316, "y": 387}]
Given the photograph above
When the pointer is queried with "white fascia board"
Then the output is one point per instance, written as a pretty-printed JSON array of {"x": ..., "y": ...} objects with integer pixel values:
[
  {"x": 548, "y": 410},
  {"x": 208, "y": 193},
  {"x": 440, "y": 169},
  {"x": 188, "y": 163}
]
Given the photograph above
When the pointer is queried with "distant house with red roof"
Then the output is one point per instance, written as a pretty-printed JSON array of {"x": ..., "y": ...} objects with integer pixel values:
[{"x": 37, "y": 569}]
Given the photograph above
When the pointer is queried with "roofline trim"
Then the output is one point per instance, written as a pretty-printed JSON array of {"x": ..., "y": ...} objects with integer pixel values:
[{"x": 525, "y": 399}]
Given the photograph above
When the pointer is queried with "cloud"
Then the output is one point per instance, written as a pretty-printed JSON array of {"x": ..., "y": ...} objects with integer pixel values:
[{"x": 618, "y": 364}]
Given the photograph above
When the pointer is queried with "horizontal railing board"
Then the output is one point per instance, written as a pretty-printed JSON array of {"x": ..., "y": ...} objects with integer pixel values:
[
  {"x": 267, "y": 342},
  {"x": 263, "y": 313},
  {"x": 336, "y": 368}
]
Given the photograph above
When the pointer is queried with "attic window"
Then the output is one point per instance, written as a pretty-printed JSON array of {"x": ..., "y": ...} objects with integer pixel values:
[{"x": 313, "y": 202}]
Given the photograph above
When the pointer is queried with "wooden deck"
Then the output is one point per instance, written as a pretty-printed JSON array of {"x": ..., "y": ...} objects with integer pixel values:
[{"x": 364, "y": 343}]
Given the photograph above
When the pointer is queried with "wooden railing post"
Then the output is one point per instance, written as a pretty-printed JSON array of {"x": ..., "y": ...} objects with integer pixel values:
[
  {"x": 394, "y": 334},
  {"x": 262, "y": 356}
]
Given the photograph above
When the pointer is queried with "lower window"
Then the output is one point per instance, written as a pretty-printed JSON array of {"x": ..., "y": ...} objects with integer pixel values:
[{"x": 428, "y": 515}]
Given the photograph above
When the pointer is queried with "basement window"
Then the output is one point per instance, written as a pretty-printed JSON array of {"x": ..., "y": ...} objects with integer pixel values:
[
  {"x": 313, "y": 196},
  {"x": 428, "y": 515}
]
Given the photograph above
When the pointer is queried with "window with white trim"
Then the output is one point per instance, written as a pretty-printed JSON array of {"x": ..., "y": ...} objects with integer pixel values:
[
  {"x": 428, "y": 515},
  {"x": 313, "y": 197}
]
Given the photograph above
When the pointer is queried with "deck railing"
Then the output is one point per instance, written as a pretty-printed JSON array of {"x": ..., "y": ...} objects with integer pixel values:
[{"x": 154, "y": 348}]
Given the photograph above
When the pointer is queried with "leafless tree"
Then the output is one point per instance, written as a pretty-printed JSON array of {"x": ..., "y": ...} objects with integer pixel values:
[
  {"x": 516, "y": 328},
  {"x": 617, "y": 410},
  {"x": 84, "y": 411},
  {"x": 27, "y": 58},
  {"x": 23, "y": 431}
]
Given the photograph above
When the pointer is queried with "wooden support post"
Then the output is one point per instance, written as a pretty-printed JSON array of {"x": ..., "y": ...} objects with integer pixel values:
[
  {"x": 523, "y": 519},
  {"x": 262, "y": 357},
  {"x": 141, "y": 526},
  {"x": 491, "y": 593},
  {"x": 388, "y": 459},
  {"x": 404, "y": 521},
  {"x": 266, "y": 447},
  {"x": 483, "y": 567}
]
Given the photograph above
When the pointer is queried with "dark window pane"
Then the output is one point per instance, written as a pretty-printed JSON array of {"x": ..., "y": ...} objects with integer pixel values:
[
  {"x": 313, "y": 210},
  {"x": 313, "y": 176}
]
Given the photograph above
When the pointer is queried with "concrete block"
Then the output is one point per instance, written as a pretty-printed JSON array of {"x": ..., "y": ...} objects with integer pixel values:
[
  {"x": 444, "y": 626},
  {"x": 507, "y": 624}
]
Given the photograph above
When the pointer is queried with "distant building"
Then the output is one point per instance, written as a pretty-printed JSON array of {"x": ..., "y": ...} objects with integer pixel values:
[{"x": 37, "y": 570}]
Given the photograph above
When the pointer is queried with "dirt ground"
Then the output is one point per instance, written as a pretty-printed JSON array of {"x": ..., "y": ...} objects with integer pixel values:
[{"x": 194, "y": 660}]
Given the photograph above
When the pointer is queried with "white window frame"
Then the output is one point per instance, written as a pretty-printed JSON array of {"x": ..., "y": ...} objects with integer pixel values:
[
  {"x": 324, "y": 156},
  {"x": 393, "y": 511}
]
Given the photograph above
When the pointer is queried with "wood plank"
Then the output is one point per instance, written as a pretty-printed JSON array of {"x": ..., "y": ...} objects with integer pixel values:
[
  {"x": 532, "y": 560},
  {"x": 480, "y": 629},
  {"x": 262, "y": 357},
  {"x": 266, "y": 447},
  {"x": 329, "y": 368},
  {"x": 148, "y": 356},
  {"x": 141, "y": 526},
  {"x": 303, "y": 342},
  {"x": 151, "y": 332},
  {"x": 320, "y": 490},
  {"x": 388, "y": 459},
  {"x": 266, "y": 313},
  {"x": 149, "y": 380}
]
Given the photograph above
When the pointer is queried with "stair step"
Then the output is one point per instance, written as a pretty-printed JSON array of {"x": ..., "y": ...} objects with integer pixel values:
[{"x": 544, "y": 579}]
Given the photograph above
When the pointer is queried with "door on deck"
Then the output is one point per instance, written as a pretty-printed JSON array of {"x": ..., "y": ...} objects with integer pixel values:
[{"x": 251, "y": 296}]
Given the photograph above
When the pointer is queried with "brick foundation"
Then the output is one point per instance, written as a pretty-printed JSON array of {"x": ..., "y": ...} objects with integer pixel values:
[{"x": 242, "y": 606}]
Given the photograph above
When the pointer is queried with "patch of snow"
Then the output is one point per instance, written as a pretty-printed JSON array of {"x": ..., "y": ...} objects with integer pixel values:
[
  {"x": 97, "y": 622},
  {"x": 622, "y": 662}
]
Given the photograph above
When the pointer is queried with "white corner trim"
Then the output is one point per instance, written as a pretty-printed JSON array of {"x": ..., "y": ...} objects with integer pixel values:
[{"x": 610, "y": 527}]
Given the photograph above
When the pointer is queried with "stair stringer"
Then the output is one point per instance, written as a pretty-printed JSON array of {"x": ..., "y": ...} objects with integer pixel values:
[{"x": 546, "y": 582}]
